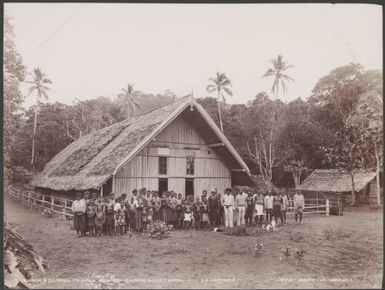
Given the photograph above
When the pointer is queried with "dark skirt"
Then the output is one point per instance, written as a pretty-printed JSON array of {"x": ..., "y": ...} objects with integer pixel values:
[
  {"x": 173, "y": 216},
  {"x": 79, "y": 222},
  {"x": 110, "y": 219},
  {"x": 249, "y": 211},
  {"x": 165, "y": 213},
  {"x": 91, "y": 221},
  {"x": 276, "y": 211}
]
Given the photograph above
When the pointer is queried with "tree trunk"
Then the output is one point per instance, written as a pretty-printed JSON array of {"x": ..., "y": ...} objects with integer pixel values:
[
  {"x": 378, "y": 189},
  {"x": 34, "y": 132},
  {"x": 219, "y": 112},
  {"x": 353, "y": 190}
]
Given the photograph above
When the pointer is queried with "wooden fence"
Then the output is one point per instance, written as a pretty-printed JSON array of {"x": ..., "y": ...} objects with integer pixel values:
[
  {"x": 43, "y": 203},
  {"x": 312, "y": 206},
  {"x": 62, "y": 206}
]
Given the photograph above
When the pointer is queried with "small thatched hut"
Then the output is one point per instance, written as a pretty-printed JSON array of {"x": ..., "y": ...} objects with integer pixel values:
[
  {"x": 175, "y": 147},
  {"x": 333, "y": 181}
]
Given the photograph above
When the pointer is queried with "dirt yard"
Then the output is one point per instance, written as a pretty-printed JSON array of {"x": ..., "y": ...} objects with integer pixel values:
[{"x": 204, "y": 259}]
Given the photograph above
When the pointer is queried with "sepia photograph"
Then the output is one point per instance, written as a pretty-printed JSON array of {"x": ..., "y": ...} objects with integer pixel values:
[{"x": 192, "y": 146}]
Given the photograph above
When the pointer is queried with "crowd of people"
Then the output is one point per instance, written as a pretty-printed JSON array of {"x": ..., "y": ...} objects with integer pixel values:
[{"x": 95, "y": 215}]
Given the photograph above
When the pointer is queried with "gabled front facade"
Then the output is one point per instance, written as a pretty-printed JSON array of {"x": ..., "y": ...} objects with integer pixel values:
[{"x": 177, "y": 159}]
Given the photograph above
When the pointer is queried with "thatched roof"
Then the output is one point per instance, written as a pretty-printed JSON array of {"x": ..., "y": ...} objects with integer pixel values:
[
  {"x": 333, "y": 180},
  {"x": 91, "y": 160}
]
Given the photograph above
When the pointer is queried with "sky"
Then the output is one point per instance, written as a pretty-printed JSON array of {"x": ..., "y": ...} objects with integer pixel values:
[{"x": 92, "y": 50}]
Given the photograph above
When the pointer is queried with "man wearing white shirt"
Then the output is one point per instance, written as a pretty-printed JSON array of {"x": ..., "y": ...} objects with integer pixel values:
[
  {"x": 228, "y": 206},
  {"x": 79, "y": 209},
  {"x": 240, "y": 203},
  {"x": 299, "y": 205},
  {"x": 268, "y": 206}
]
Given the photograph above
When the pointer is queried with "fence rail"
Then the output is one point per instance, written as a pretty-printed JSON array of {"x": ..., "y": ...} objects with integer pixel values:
[
  {"x": 43, "y": 202},
  {"x": 62, "y": 205}
]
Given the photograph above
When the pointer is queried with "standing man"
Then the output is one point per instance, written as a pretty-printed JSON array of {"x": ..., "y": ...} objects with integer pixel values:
[
  {"x": 299, "y": 205},
  {"x": 249, "y": 208},
  {"x": 214, "y": 207},
  {"x": 268, "y": 202},
  {"x": 284, "y": 206},
  {"x": 79, "y": 209},
  {"x": 258, "y": 207},
  {"x": 228, "y": 206},
  {"x": 277, "y": 203},
  {"x": 240, "y": 203}
]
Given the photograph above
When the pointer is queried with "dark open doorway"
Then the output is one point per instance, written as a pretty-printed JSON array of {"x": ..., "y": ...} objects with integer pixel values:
[
  {"x": 162, "y": 185},
  {"x": 189, "y": 187}
]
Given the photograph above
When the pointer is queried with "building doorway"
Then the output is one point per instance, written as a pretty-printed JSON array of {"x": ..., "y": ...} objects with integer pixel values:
[
  {"x": 189, "y": 187},
  {"x": 162, "y": 185}
]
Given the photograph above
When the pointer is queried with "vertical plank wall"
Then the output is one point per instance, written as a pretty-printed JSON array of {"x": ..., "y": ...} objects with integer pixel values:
[{"x": 142, "y": 171}]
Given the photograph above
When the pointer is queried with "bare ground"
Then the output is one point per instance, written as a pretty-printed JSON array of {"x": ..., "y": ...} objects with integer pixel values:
[{"x": 204, "y": 259}]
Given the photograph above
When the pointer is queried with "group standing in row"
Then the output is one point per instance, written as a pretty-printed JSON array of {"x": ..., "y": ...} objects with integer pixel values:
[{"x": 95, "y": 215}]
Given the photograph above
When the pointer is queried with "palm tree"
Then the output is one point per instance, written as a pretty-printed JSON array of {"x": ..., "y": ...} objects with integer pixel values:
[
  {"x": 278, "y": 71},
  {"x": 220, "y": 84},
  {"x": 128, "y": 100},
  {"x": 39, "y": 83}
]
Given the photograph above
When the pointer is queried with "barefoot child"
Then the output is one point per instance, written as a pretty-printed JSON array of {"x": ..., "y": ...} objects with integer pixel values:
[
  {"x": 91, "y": 215},
  {"x": 121, "y": 218},
  {"x": 99, "y": 220},
  {"x": 188, "y": 215}
]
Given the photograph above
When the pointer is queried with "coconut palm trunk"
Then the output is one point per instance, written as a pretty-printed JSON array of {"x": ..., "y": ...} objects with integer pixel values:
[
  {"x": 219, "y": 111},
  {"x": 34, "y": 131}
]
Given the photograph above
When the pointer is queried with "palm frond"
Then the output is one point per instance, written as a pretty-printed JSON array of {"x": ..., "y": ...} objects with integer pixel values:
[
  {"x": 214, "y": 80},
  {"x": 211, "y": 88},
  {"x": 225, "y": 82},
  {"x": 228, "y": 91},
  {"x": 269, "y": 73},
  {"x": 288, "y": 78},
  {"x": 287, "y": 67},
  {"x": 274, "y": 88}
]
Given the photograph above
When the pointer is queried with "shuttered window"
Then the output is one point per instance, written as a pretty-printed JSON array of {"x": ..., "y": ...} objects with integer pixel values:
[{"x": 162, "y": 165}]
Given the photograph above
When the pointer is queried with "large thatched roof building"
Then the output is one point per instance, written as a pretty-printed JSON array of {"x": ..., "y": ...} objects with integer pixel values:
[
  {"x": 336, "y": 181},
  {"x": 175, "y": 147}
]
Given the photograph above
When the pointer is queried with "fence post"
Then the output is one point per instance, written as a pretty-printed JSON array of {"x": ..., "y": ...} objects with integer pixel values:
[{"x": 327, "y": 207}]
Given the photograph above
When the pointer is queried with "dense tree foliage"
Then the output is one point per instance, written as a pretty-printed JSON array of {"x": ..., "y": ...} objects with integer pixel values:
[{"x": 14, "y": 73}]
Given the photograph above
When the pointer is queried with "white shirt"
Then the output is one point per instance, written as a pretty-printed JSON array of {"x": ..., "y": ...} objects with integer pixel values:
[
  {"x": 117, "y": 206},
  {"x": 241, "y": 199},
  {"x": 299, "y": 201},
  {"x": 269, "y": 201},
  {"x": 79, "y": 206},
  {"x": 228, "y": 200}
]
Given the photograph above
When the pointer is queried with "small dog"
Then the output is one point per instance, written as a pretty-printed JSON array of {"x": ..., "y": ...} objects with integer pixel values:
[
  {"x": 257, "y": 249},
  {"x": 170, "y": 227},
  {"x": 274, "y": 226}
]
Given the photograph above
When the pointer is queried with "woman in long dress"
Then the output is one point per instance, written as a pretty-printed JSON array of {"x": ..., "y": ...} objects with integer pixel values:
[
  {"x": 205, "y": 212},
  {"x": 165, "y": 209},
  {"x": 172, "y": 203}
]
